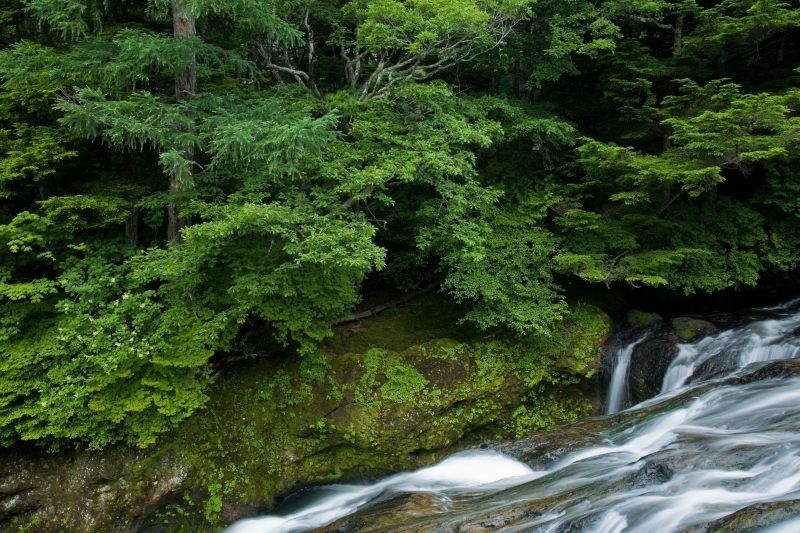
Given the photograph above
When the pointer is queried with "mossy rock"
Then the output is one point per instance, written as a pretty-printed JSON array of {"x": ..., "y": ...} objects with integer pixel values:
[
  {"x": 689, "y": 328},
  {"x": 640, "y": 319},
  {"x": 271, "y": 426}
]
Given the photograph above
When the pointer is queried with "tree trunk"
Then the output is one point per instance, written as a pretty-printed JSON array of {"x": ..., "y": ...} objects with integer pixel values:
[
  {"x": 183, "y": 24},
  {"x": 678, "y": 33},
  {"x": 132, "y": 225}
]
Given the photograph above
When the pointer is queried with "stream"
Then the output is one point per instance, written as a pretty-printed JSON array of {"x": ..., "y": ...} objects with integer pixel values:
[{"x": 703, "y": 456}]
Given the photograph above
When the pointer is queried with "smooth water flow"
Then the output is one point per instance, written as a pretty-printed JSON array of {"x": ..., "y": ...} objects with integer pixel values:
[
  {"x": 768, "y": 340},
  {"x": 618, "y": 388},
  {"x": 684, "y": 459},
  {"x": 466, "y": 470}
]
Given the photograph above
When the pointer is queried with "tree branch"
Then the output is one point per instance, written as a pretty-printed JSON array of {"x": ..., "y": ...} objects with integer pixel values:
[{"x": 383, "y": 307}]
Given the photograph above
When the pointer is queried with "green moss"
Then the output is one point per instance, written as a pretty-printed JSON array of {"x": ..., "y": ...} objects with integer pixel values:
[
  {"x": 584, "y": 330},
  {"x": 425, "y": 318},
  {"x": 271, "y": 425},
  {"x": 640, "y": 319},
  {"x": 688, "y": 328}
]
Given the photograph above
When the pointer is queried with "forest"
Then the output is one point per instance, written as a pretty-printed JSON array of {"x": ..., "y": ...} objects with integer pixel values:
[{"x": 195, "y": 181}]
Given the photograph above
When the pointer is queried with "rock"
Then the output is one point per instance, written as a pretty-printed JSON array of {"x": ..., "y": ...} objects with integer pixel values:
[
  {"x": 640, "y": 319},
  {"x": 651, "y": 474},
  {"x": 540, "y": 451},
  {"x": 751, "y": 519},
  {"x": 518, "y": 508},
  {"x": 649, "y": 362},
  {"x": 720, "y": 364},
  {"x": 770, "y": 370},
  {"x": 688, "y": 328}
]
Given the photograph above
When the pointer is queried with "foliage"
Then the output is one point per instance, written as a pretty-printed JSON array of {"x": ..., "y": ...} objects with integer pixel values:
[{"x": 188, "y": 184}]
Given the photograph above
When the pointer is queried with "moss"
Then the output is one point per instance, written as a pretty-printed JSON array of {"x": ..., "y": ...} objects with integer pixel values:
[
  {"x": 640, "y": 319},
  {"x": 272, "y": 425},
  {"x": 585, "y": 329},
  {"x": 425, "y": 318},
  {"x": 689, "y": 328}
]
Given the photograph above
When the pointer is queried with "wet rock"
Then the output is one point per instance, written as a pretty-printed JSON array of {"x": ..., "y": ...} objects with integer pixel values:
[
  {"x": 770, "y": 370},
  {"x": 651, "y": 474},
  {"x": 540, "y": 451},
  {"x": 751, "y": 519},
  {"x": 649, "y": 362},
  {"x": 640, "y": 319},
  {"x": 690, "y": 328},
  {"x": 531, "y": 506},
  {"x": 383, "y": 516},
  {"x": 717, "y": 365}
]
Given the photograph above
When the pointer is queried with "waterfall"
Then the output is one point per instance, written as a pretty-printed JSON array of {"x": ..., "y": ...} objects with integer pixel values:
[
  {"x": 618, "y": 388},
  {"x": 767, "y": 340},
  {"x": 682, "y": 461}
]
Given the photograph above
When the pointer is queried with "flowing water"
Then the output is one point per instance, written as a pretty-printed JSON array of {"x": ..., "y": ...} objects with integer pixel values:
[
  {"x": 683, "y": 461},
  {"x": 767, "y": 340},
  {"x": 618, "y": 388}
]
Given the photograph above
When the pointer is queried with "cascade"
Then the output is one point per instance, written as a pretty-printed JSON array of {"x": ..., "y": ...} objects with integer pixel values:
[
  {"x": 618, "y": 388},
  {"x": 766, "y": 340},
  {"x": 687, "y": 461}
]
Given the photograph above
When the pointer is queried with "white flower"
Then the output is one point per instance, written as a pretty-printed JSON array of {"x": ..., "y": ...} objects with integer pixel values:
[
  {"x": 125, "y": 296},
  {"x": 60, "y": 329},
  {"x": 90, "y": 300},
  {"x": 113, "y": 280},
  {"x": 79, "y": 337},
  {"x": 116, "y": 302},
  {"x": 95, "y": 333},
  {"x": 91, "y": 319},
  {"x": 44, "y": 404},
  {"x": 141, "y": 306},
  {"x": 116, "y": 344},
  {"x": 140, "y": 356}
]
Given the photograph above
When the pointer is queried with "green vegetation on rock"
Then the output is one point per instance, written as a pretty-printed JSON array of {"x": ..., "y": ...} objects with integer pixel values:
[
  {"x": 189, "y": 186},
  {"x": 272, "y": 425},
  {"x": 640, "y": 319}
]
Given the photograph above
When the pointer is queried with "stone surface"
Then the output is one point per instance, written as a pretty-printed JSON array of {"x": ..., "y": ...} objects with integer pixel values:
[
  {"x": 649, "y": 362},
  {"x": 641, "y": 319},
  {"x": 690, "y": 328}
]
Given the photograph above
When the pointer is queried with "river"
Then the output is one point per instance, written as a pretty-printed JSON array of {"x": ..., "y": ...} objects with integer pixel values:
[{"x": 701, "y": 456}]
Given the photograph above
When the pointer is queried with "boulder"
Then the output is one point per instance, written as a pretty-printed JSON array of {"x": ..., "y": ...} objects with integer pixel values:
[
  {"x": 649, "y": 362},
  {"x": 688, "y": 328},
  {"x": 640, "y": 319}
]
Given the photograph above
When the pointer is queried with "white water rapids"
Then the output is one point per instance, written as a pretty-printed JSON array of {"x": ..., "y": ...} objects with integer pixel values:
[
  {"x": 693, "y": 455},
  {"x": 767, "y": 340}
]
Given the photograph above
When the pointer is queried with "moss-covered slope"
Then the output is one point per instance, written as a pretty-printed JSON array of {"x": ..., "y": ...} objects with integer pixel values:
[{"x": 274, "y": 425}]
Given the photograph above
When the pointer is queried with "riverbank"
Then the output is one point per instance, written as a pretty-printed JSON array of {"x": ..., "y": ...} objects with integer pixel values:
[{"x": 395, "y": 392}]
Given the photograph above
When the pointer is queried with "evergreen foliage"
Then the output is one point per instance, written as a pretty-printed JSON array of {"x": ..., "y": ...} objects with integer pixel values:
[{"x": 191, "y": 182}]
